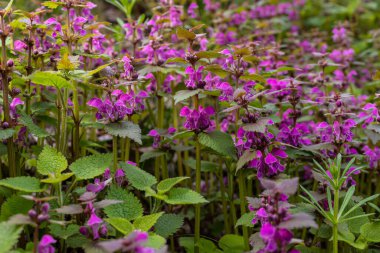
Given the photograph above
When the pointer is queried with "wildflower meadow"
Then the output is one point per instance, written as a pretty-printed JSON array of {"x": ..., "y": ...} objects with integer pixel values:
[{"x": 197, "y": 126}]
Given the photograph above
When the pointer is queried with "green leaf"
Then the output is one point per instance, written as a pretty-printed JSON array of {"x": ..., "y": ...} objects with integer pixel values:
[
  {"x": 176, "y": 60},
  {"x": 155, "y": 241},
  {"x": 6, "y": 133},
  {"x": 167, "y": 184},
  {"x": 183, "y": 33},
  {"x": 146, "y": 222},
  {"x": 260, "y": 126},
  {"x": 55, "y": 179},
  {"x": 149, "y": 155},
  {"x": 24, "y": 184},
  {"x": 98, "y": 69},
  {"x": 8, "y": 236},
  {"x": 50, "y": 78},
  {"x": 15, "y": 205},
  {"x": 205, "y": 246},
  {"x": 246, "y": 157},
  {"x": 51, "y": 161},
  {"x": 130, "y": 209},
  {"x": 139, "y": 179},
  {"x": 217, "y": 70},
  {"x": 208, "y": 54},
  {"x": 232, "y": 243},
  {"x": 168, "y": 224},
  {"x": 371, "y": 231},
  {"x": 184, "y": 196},
  {"x": 91, "y": 166},
  {"x": 253, "y": 77},
  {"x": 122, "y": 225},
  {"x": 184, "y": 94},
  {"x": 62, "y": 232},
  {"x": 52, "y": 5},
  {"x": 206, "y": 166},
  {"x": 245, "y": 220},
  {"x": 220, "y": 142},
  {"x": 125, "y": 129},
  {"x": 27, "y": 121}
]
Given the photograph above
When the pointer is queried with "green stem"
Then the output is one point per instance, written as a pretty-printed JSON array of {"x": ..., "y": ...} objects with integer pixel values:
[
  {"x": 114, "y": 150},
  {"x": 335, "y": 224},
  {"x": 127, "y": 149},
  {"x": 232, "y": 204},
  {"x": 242, "y": 208},
  {"x": 198, "y": 189},
  {"x": 224, "y": 203},
  {"x": 4, "y": 70},
  {"x": 76, "y": 134}
]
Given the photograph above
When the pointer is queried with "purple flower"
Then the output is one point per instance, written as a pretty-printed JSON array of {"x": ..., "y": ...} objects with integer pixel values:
[
  {"x": 191, "y": 10},
  {"x": 20, "y": 46},
  {"x": 119, "y": 177},
  {"x": 339, "y": 34},
  {"x": 198, "y": 120},
  {"x": 370, "y": 114},
  {"x": 195, "y": 78},
  {"x": 12, "y": 107},
  {"x": 45, "y": 245},
  {"x": 94, "y": 224}
]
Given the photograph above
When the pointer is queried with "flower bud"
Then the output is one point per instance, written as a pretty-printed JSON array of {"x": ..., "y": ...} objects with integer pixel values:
[
  {"x": 32, "y": 213},
  {"x": 10, "y": 63}
]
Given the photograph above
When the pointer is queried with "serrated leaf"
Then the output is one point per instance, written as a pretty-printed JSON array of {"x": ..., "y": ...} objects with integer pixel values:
[
  {"x": 91, "y": 166},
  {"x": 168, "y": 224},
  {"x": 260, "y": 126},
  {"x": 149, "y": 155},
  {"x": 245, "y": 158},
  {"x": 24, "y": 184},
  {"x": 8, "y": 236},
  {"x": 232, "y": 243},
  {"x": 6, "y": 133},
  {"x": 130, "y": 209},
  {"x": 184, "y": 94},
  {"x": 50, "y": 78},
  {"x": 62, "y": 232},
  {"x": 146, "y": 222},
  {"x": 167, "y": 184},
  {"x": 122, "y": 225},
  {"x": 299, "y": 220},
  {"x": 246, "y": 220},
  {"x": 125, "y": 129},
  {"x": 184, "y": 196},
  {"x": 220, "y": 142},
  {"x": 51, "y": 161},
  {"x": 15, "y": 205},
  {"x": 27, "y": 121},
  {"x": 217, "y": 70},
  {"x": 371, "y": 231},
  {"x": 183, "y": 33},
  {"x": 70, "y": 209},
  {"x": 253, "y": 77},
  {"x": 139, "y": 178}
]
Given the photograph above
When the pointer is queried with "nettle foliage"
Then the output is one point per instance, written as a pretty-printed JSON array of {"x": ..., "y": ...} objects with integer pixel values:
[{"x": 189, "y": 126}]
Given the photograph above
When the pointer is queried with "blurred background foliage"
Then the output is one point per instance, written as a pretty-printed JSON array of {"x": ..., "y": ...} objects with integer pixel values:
[{"x": 318, "y": 17}]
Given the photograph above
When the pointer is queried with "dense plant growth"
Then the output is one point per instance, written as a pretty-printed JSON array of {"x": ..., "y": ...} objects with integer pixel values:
[{"x": 189, "y": 126}]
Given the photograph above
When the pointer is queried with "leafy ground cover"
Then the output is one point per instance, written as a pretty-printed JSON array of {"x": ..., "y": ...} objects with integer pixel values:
[{"x": 189, "y": 126}]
